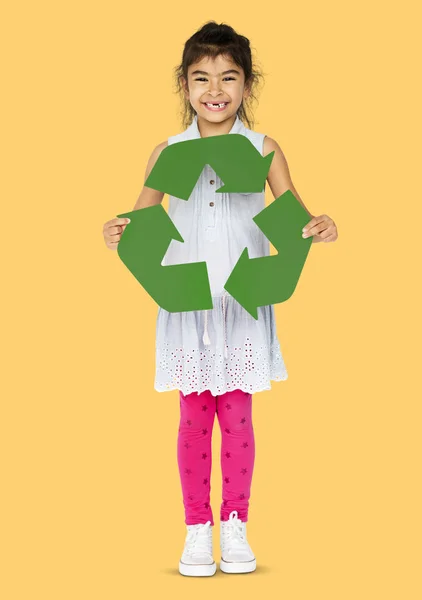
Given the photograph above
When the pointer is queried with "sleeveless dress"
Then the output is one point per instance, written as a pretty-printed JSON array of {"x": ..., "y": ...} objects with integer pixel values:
[{"x": 224, "y": 348}]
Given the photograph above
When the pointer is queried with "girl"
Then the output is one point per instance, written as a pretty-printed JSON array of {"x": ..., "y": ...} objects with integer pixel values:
[{"x": 218, "y": 358}]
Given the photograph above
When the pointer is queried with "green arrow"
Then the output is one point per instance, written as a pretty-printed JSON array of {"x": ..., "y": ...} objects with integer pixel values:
[
  {"x": 142, "y": 247},
  {"x": 236, "y": 160},
  {"x": 272, "y": 279}
]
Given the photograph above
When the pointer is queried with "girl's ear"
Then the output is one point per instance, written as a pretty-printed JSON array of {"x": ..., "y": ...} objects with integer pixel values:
[
  {"x": 185, "y": 87},
  {"x": 247, "y": 89}
]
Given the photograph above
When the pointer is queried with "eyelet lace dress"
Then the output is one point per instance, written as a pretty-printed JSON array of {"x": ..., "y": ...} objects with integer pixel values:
[{"x": 223, "y": 348}]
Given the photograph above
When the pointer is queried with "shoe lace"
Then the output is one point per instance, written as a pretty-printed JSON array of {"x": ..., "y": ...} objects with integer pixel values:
[
  {"x": 233, "y": 531},
  {"x": 198, "y": 538}
]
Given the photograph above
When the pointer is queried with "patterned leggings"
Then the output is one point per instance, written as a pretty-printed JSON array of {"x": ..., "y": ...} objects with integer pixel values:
[{"x": 197, "y": 412}]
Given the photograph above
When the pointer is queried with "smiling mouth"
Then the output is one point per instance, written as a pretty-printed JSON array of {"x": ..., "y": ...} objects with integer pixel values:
[{"x": 215, "y": 106}]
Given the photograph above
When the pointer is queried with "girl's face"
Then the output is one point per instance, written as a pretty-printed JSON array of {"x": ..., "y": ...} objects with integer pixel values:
[{"x": 217, "y": 80}]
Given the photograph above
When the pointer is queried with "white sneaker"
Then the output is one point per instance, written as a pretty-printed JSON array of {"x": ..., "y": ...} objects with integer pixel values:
[
  {"x": 236, "y": 554},
  {"x": 197, "y": 558}
]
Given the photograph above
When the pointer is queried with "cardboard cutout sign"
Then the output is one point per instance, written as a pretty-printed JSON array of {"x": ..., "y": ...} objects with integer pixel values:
[{"x": 252, "y": 282}]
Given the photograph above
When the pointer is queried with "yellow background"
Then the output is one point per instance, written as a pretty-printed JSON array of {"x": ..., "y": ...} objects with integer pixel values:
[{"x": 92, "y": 504}]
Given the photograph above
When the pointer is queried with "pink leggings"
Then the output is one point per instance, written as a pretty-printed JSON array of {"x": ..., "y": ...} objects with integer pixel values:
[{"x": 197, "y": 412}]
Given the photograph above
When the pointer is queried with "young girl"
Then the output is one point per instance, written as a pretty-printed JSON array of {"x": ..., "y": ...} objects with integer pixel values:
[{"x": 217, "y": 358}]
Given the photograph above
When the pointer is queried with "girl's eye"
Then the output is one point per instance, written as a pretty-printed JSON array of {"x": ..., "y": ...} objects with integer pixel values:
[{"x": 204, "y": 79}]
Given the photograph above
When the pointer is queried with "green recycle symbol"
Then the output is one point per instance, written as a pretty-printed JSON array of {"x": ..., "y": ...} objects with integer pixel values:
[{"x": 252, "y": 282}]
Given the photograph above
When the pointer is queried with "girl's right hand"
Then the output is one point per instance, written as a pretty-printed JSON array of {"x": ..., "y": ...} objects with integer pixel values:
[{"x": 112, "y": 232}]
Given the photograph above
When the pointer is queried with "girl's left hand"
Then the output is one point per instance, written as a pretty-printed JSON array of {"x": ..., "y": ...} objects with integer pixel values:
[{"x": 322, "y": 228}]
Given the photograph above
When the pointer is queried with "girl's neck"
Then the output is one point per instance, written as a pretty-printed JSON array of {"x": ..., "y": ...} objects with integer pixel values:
[{"x": 207, "y": 129}]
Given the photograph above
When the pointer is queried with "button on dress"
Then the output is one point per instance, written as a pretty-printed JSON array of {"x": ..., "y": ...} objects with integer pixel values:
[{"x": 223, "y": 348}]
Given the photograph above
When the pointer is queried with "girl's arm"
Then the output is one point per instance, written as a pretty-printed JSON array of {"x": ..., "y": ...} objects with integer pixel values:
[
  {"x": 149, "y": 196},
  {"x": 279, "y": 178}
]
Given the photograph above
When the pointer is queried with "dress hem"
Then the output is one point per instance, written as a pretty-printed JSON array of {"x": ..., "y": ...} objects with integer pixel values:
[{"x": 254, "y": 391}]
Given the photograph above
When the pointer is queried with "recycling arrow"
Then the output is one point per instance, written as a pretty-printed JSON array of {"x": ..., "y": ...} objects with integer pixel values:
[
  {"x": 272, "y": 279},
  {"x": 142, "y": 247},
  {"x": 236, "y": 160},
  {"x": 185, "y": 287}
]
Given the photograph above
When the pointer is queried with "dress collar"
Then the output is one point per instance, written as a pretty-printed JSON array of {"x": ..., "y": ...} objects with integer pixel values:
[{"x": 193, "y": 130}]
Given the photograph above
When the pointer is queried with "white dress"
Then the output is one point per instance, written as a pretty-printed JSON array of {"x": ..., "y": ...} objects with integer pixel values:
[{"x": 224, "y": 348}]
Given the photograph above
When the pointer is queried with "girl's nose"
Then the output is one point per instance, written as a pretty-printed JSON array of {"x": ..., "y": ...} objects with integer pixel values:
[{"x": 215, "y": 87}]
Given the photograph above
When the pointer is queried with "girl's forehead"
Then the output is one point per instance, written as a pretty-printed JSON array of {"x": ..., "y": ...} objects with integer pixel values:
[{"x": 214, "y": 65}]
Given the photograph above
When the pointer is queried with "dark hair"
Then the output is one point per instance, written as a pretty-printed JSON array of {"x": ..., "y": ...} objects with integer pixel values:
[{"x": 213, "y": 40}]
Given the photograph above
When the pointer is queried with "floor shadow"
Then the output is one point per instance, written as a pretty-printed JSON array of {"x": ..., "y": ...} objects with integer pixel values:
[{"x": 260, "y": 570}]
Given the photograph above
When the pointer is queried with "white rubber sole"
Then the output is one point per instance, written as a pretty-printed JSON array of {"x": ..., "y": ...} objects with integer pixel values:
[
  {"x": 238, "y": 567},
  {"x": 197, "y": 570}
]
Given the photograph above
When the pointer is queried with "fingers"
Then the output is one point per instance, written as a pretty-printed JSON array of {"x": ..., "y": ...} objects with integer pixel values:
[
  {"x": 115, "y": 223},
  {"x": 316, "y": 229},
  {"x": 115, "y": 230},
  {"x": 112, "y": 231},
  {"x": 112, "y": 245}
]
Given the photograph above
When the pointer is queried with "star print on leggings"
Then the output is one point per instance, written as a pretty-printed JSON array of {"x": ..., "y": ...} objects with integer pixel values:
[
  {"x": 204, "y": 407},
  {"x": 228, "y": 406},
  {"x": 243, "y": 420},
  {"x": 205, "y": 481},
  {"x": 243, "y": 471},
  {"x": 228, "y": 454},
  {"x": 189, "y": 422},
  {"x": 204, "y": 455},
  {"x": 227, "y": 479},
  {"x": 245, "y": 445},
  {"x": 242, "y": 497},
  {"x": 227, "y": 430},
  {"x": 188, "y": 471},
  {"x": 204, "y": 431}
]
